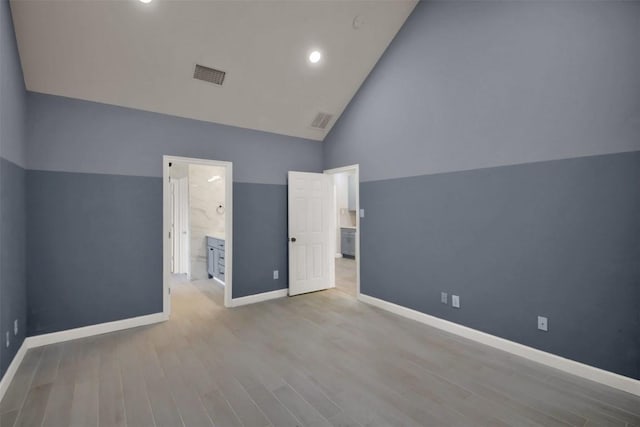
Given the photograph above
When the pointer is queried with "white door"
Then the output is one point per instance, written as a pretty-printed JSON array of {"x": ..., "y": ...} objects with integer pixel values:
[
  {"x": 172, "y": 232},
  {"x": 180, "y": 225},
  {"x": 311, "y": 222}
]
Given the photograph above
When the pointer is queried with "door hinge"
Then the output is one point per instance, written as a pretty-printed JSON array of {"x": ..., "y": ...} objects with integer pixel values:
[{"x": 169, "y": 291}]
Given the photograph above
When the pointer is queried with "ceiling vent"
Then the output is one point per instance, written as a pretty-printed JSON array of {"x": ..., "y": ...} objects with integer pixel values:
[
  {"x": 210, "y": 75},
  {"x": 321, "y": 121}
]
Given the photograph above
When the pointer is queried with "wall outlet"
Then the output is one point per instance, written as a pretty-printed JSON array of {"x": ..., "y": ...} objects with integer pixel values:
[
  {"x": 455, "y": 301},
  {"x": 15, "y": 327},
  {"x": 7, "y": 340},
  {"x": 361, "y": 213},
  {"x": 276, "y": 274},
  {"x": 543, "y": 323},
  {"x": 444, "y": 297}
]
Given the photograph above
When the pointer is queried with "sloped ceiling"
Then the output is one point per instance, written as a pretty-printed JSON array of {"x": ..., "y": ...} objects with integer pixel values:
[{"x": 131, "y": 54}]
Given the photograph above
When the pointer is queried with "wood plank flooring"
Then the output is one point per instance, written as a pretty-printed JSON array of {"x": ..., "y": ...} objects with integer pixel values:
[
  {"x": 321, "y": 359},
  {"x": 346, "y": 276}
]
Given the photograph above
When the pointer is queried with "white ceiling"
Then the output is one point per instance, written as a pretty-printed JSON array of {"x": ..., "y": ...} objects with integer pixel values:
[{"x": 127, "y": 53}]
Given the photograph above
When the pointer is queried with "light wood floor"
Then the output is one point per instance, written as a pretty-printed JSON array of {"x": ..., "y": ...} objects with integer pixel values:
[
  {"x": 346, "y": 276},
  {"x": 315, "y": 360}
]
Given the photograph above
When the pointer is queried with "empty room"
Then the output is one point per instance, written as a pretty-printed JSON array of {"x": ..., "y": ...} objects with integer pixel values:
[{"x": 319, "y": 213}]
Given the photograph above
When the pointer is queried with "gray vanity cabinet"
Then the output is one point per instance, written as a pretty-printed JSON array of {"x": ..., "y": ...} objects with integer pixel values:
[
  {"x": 348, "y": 242},
  {"x": 215, "y": 258}
]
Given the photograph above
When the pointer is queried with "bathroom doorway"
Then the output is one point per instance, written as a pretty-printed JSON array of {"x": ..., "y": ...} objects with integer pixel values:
[{"x": 197, "y": 222}]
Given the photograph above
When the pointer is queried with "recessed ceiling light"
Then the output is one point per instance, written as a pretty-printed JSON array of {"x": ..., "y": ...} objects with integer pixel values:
[
  {"x": 315, "y": 56},
  {"x": 145, "y": 1}
]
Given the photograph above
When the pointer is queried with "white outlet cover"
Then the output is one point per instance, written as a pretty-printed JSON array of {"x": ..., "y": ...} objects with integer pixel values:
[
  {"x": 543, "y": 323},
  {"x": 361, "y": 213},
  {"x": 455, "y": 301},
  {"x": 443, "y": 297},
  {"x": 276, "y": 274}
]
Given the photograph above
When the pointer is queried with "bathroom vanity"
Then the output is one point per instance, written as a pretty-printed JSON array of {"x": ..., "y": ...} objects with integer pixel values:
[
  {"x": 348, "y": 242},
  {"x": 215, "y": 258}
]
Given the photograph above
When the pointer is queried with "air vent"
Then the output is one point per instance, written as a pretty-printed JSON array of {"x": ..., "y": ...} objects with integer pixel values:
[
  {"x": 321, "y": 121},
  {"x": 210, "y": 75}
]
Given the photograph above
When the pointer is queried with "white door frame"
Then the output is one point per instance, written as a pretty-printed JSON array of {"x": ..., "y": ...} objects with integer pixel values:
[
  {"x": 172, "y": 191},
  {"x": 356, "y": 170},
  {"x": 180, "y": 188},
  {"x": 166, "y": 227}
]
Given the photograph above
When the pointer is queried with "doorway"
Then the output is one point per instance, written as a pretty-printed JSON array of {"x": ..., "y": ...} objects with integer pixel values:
[
  {"x": 179, "y": 233},
  {"x": 324, "y": 231},
  {"x": 198, "y": 227},
  {"x": 346, "y": 235}
]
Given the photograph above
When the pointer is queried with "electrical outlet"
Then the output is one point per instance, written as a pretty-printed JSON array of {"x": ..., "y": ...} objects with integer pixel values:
[
  {"x": 15, "y": 327},
  {"x": 443, "y": 297},
  {"x": 455, "y": 301},
  {"x": 276, "y": 274},
  {"x": 543, "y": 323},
  {"x": 7, "y": 343},
  {"x": 361, "y": 213}
]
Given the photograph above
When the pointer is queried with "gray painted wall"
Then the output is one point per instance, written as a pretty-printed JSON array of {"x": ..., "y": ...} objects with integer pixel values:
[
  {"x": 559, "y": 239},
  {"x": 472, "y": 84},
  {"x": 259, "y": 238},
  {"x": 79, "y": 136},
  {"x": 94, "y": 247},
  {"x": 13, "y": 284},
  {"x": 13, "y": 303},
  {"x": 109, "y": 221}
]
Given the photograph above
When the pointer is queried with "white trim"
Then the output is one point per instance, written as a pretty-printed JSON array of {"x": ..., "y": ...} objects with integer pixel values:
[
  {"x": 265, "y": 296},
  {"x": 611, "y": 379},
  {"x": 12, "y": 369},
  {"x": 228, "y": 237},
  {"x": 73, "y": 334},
  {"x": 92, "y": 330},
  {"x": 356, "y": 169}
]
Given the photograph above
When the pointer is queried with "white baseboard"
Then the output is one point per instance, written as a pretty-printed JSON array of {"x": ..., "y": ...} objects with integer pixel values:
[
  {"x": 611, "y": 379},
  {"x": 219, "y": 281},
  {"x": 265, "y": 296},
  {"x": 73, "y": 334},
  {"x": 12, "y": 369},
  {"x": 99, "y": 329}
]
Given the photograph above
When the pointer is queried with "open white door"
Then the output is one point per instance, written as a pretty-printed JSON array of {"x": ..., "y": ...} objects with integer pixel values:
[
  {"x": 310, "y": 226},
  {"x": 180, "y": 225}
]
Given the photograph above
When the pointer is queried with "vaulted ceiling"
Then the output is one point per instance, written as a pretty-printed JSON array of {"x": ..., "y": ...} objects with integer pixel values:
[{"x": 142, "y": 55}]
